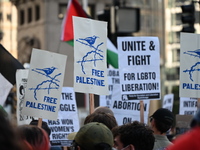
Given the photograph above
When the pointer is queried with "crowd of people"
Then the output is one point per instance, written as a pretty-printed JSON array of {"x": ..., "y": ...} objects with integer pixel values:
[{"x": 101, "y": 132}]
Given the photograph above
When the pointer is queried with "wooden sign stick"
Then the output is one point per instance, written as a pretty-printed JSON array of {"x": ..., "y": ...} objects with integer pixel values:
[
  {"x": 65, "y": 148},
  {"x": 40, "y": 122},
  {"x": 91, "y": 103},
  {"x": 141, "y": 111},
  {"x": 198, "y": 103}
]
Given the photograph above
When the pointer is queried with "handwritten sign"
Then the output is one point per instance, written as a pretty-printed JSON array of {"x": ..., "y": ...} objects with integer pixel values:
[
  {"x": 139, "y": 64},
  {"x": 67, "y": 121},
  {"x": 45, "y": 81},
  {"x": 90, "y": 68},
  {"x": 189, "y": 65},
  {"x": 188, "y": 106},
  {"x": 168, "y": 101},
  {"x": 113, "y": 78}
]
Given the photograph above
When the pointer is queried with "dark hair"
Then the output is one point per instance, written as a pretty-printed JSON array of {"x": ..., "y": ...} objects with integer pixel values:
[
  {"x": 44, "y": 126},
  {"x": 137, "y": 134},
  {"x": 102, "y": 117},
  {"x": 34, "y": 136},
  {"x": 100, "y": 146},
  {"x": 8, "y": 137},
  {"x": 160, "y": 126}
]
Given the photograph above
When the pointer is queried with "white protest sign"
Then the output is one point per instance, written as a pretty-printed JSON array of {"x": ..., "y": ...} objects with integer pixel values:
[
  {"x": 188, "y": 106},
  {"x": 90, "y": 68},
  {"x": 21, "y": 84},
  {"x": 189, "y": 65},
  {"x": 113, "y": 78},
  {"x": 168, "y": 101},
  {"x": 139, "y": 64},
  {"x": 45, "y": 81},
  {"x": 127, "y": 107},
  {"x": 67, "y": 121},
  {"x": 128, "y": 118}
]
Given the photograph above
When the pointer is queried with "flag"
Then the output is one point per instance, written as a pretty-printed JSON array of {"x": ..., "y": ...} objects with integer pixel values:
[
  {"x": 8, "y": 68},
  {"x": 67, "y": 35}
]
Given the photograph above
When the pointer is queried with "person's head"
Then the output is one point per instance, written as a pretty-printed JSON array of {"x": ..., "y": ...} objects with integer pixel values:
[
  {"x": 8, "y": 137},
  {"x": 133, "y": 136},
  {"x": 102, "y": 117},
  {"x": 162, "y": 120},
  {"x": 34, "y": 137},
  {"x": 103, "y": 109},
  {"x": 44, "y": 126},
  {"x": 195, "y": 120},
  {"x": 93, "y": 136}
]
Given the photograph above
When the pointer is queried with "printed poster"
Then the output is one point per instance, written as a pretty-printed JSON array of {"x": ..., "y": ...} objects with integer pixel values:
[
  {"x": 113, "y": 78},
  {"x": 90, "y": 66},
  {"x": 21, "y": 84},
  {"x": 190, "y": 65},
  {"x": 188, "y": 106},
  {"x": 168, "y": 102},
  {"x": 139, "y": 64},
  {"x": 67, "y": 121},
  {"x": 44, "y": 86},
  {"x": 127, "y": 110}
]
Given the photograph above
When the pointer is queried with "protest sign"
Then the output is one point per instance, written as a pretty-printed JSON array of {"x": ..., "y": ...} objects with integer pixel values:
[
  {"x": 128, "y": 118},
  {"x": 188, "y": 106},
  {"x": 139, "y": 64},
  {"x": 21, "y": 84},
  {"x": 67, "y": 121},
  {"x": 189, "y": 65},
  {"x": 130, "y": 108},
  {"x": 90, "y": 68},
  {"x": 183, "y": 123},
  {"x": 113, "y": 78},
  {"x": 45, "y": 81},
  {"x": 168, "y": 101}
]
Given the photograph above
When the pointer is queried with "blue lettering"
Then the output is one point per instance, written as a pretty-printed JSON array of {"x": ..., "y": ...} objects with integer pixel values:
[
  {"x": 97, "y": 73},
  {"x": 50, "y": 100},
  {"x": 88, "y": 80},
  {"x": 191, "y": 86}
]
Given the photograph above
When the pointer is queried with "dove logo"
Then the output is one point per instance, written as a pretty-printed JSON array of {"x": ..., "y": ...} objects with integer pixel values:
[
  {"x": 94, "y": 53},
  {"x": 50, "y": 81}
]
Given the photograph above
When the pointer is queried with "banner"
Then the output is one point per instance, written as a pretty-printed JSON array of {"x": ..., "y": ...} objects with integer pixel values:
[
  {"x": 189, "y": 65},
  {"x": 139, "y": 64},
  {"x": 113, "y": 78},
  {"x": 168, "y": 102},
  {"x": 188, "y": 106},
  {"x": 90, "y": 68},
  {"x": 45, "y": 81},
  {"x": 67, "y": 121}
]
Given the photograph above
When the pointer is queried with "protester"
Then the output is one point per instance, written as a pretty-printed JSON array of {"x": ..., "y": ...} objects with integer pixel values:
[
  {"x": 8, "y": 137},
  {"x": 103, "y": 109},
  {"x": 161, "y": 122},
  {"x": 93, "y": 136},
  {"x": 102, "y": 117},
  {"x": 33, "y": 137},
  {"x": 133, "y": 136},
  {"x": 48, "y": 130},
  {"x": 190, "y": 139}
]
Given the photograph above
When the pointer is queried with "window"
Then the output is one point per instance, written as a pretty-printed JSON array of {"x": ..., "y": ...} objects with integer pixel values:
[
  {"x": 176, "y": 55},
  {"x": 37, "y": 12},
  {"x": 1, "y": 17},
  {"x": 21, "y": 17},
  {"x": 29, "y": 15},
  {"x": 9, "y": 17},
  {"x": 62, "y": 10}
]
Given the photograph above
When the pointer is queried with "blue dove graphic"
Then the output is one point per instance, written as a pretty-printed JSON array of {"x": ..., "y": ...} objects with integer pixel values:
[
  {"x": 47, "y": 71},
  {"x": 196, "y": 51},
  {"x": 90, "y": 40}
]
